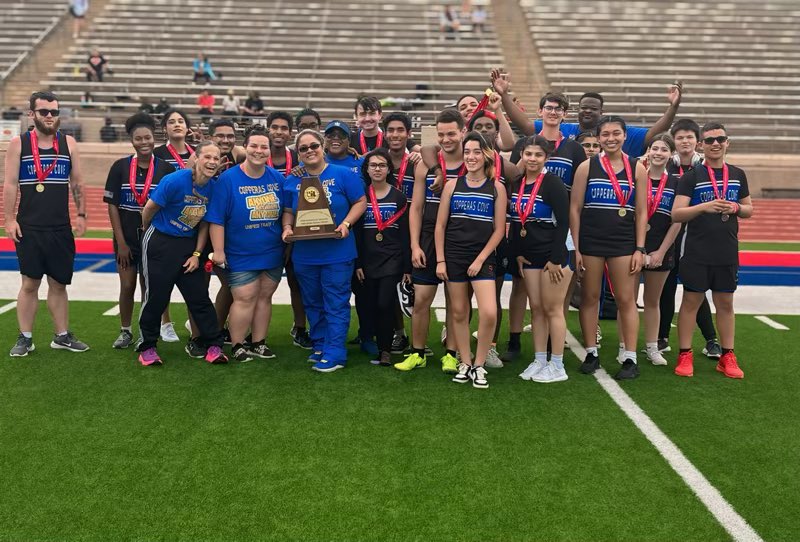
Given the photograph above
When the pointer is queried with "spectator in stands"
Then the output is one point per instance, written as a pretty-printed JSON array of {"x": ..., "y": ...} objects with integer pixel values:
[
  {"x": 205, "y": 102},
  {"x": 108, "y": 133},
  {"x": 449, "y": 23},
  {"x": 230, "y": 104},
  {"x": 162, "y": 107},
  {"x": 254, "y": 105},
  {"x": 97, "y": 65},
  {"x": 202, "y": 69},
  {"x": 78, "y": 9},
  {"x": 479, "y": 19},
  {"x": 146, "y": 106},
  {"x": 87, "y": 100}
]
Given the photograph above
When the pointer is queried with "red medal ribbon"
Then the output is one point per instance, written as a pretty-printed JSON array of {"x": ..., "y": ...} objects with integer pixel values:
[
  {"x": 713, "y": 180},
  {"x": 606, "y": 163},
  {"x": 524, "y": 214},
  {"x": 498, "y": 170},
  {"x": 141, "y": 199},
  {"x": 401, "y": 173},
  {"x": 177, "y": 157},
  {"x": 41, "y": 175},
  {"x": 461, "y": 171},
  {"x": 288, "y": 162},
  {"x": 558, "y": 141},
  {"x": 379, "y": 222},
  {"x": 654, "y": 201},
  {"x": 363, "y": 141}
]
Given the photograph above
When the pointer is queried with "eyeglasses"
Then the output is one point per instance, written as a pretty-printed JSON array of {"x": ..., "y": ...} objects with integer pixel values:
[
  {"x": 718, "y": 139},
  {"x": 378, "y": 166},
  {"x": 305, "y": 148},
  {"x": 336, "y": 136},
  {"x": 45, "y": 112},
  {"x": 553, "y": 109},
  {"x": 590, "y": 145}
]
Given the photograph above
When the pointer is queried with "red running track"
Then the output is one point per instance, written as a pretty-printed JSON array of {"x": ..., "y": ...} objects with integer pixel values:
[{"x": 774, "y": 219}]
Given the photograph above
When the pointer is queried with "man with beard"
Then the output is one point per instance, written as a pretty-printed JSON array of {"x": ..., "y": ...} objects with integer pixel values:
[{"x": 43, "y": 166}]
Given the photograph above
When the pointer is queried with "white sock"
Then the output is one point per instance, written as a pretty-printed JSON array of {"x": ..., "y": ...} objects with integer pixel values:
[
  {"x": 592, "y": 350},
  {"x": 652, "y": 347},
  {"x": 125, "y": 328},
  {"x": 628, "y": 355},
  {"x": 61, "y": 333},
  {"x": 27, "y": 334},
  {"x": 540, "y": 356},
  {"x": 558, "y": 361}
]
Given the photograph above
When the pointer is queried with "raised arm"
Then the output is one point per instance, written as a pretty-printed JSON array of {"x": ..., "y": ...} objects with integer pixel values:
[
  {"x": 517, "y": 116},
  {"x": 665, "y": 122}
]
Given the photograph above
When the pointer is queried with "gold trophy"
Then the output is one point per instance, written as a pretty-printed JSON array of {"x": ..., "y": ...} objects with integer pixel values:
[{"x": 313, "y": 219}]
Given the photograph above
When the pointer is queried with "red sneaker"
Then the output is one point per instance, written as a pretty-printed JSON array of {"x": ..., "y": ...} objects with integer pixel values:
[
  {"x": 685, "y": 365},
  {"x": 728, "y": 366}
]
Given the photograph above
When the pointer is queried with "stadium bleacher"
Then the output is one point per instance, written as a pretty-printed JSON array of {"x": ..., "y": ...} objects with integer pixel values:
[
  {"x": 738, "y": 61},
  {"x": 22, "y": 26}
]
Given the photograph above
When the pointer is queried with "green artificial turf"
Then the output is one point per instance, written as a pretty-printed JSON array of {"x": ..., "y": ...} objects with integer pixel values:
[
  {"x": 94, "y": 446},
  {"x": 776, "y": 247}
]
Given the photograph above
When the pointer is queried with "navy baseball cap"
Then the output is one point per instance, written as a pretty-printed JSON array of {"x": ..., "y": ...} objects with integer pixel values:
[{"x": 338, "y": 124}]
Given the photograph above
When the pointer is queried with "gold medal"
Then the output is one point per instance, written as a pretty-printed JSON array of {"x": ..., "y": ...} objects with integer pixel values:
[
  {"x": 379, "y": 237},
  {"x": 523, "y": 232},
  {"x": 40, "y": 187},
  {"x": 725, "y": 218},
  {"x": 622, "y": 212}
]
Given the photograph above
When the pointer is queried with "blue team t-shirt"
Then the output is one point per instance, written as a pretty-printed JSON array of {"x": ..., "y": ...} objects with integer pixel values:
[
  {"x": 343, "y": 188},
  {"x": 350, "y": 162},
  {"x": 183, "y": 205},
  {"x": 634, "y": 136},
  {"x": 250, "y": 210}
]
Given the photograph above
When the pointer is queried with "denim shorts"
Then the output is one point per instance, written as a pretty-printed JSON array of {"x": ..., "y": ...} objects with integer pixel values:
[{"x": 242, "y": 278}]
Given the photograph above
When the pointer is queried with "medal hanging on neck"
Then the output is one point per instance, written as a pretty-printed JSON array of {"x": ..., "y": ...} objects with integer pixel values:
[
  {"x": 622, "y": 198},
  {"x": 523, "y": 214},
  {"x": 713, "y": 180},
  {"x": 558, "y": 141},
  {"x": 380, "y": 223},
  {"x": 178, "y": 160},
  {"x": 362, "y": 140},
  {"x": 461, "y": 171},
  {"x": 288, "y": 162},
  {"x": 141, "y": 198},
  {"x": 653, "y": 201},
  {"x": 498, "y": 166},
  {"x": 41, "y": 175},
  {"x": 401, "y": 173}
]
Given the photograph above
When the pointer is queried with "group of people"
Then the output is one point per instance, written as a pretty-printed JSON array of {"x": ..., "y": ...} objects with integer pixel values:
[{"x": 573, "y": 203}]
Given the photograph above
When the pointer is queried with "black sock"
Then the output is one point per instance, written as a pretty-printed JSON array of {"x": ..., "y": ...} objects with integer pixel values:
[
  {"x": 513, "y": 341},
  {"x": 420, "y": 351},
  {"x": 452, "y": 352},
  {"x": 684, "y": 350},
  {"x": 236, "y": 346},
  {"x": 726, "y": 351}
]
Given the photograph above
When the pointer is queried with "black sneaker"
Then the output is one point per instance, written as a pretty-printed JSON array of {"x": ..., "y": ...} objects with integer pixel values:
[
  {"x": 713, "y": 350},
  {"x": 195, "y": 350},
  {"x": 240, "y": 353},
  {"x": 22, "y": 347},
  {"x": 629, "y": 371},
  {"x": 511, "y": 354},
  {"x": 226, "y": 335},
  {"x": 302, "y": 339},
  {"x": 399, "y": 344},
  {"x": 663, "y": 345},
  {"x": 590, "y": 364},
  {"x": 261, "y": 350},
  {"x": 124, "y": 339}
]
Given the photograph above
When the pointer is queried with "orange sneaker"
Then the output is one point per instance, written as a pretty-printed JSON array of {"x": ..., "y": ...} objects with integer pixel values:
[
  {"x": 728, "y": 366},
  {"x": 685, "y": 365}
]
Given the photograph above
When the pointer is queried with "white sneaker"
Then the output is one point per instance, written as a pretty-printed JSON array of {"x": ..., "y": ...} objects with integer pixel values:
[
  {"x": 527, "y": 329},
  {"x": 545, "y": 375},
  {"x": 532, "y": 370},
  {"x": 493, "y": 360},
  {"x": 168, "y": 334},
  {"x": 620, "y": 353},
  {"x": 555, "y": 374},
  {"x": 656, "y": 358},
  {"x": 188, "y": 325},
  {"x": 478, "y": 376},
  {"x": 444, "y": 335}
]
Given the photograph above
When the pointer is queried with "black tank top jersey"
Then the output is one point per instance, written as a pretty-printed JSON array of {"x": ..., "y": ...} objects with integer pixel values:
[
  {"x": 471, "y": 221},
  {"x": 601, "y": 225},
  {"x": 662, "y": 218},
  {"x": 548, "y": 223},
  {"x": 162, "y": 152},
  {"x": 118, "y": 192},
  {"x": 431, "y": 207},
  {"x": 50, "y": 208},
  {"x": 392, "y": 254},
  {"x": 565, "y": 160},
  {"x": 406, "y": 184},
  {"x": 282, "y": 167}
]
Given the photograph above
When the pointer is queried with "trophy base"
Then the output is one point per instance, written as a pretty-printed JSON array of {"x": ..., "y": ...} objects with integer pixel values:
[{"x": 312, "y": 236}]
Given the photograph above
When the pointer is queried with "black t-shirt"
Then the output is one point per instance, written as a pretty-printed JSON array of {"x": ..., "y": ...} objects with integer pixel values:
[
  {"x": 118, "y": 192},
  {"x": 256, "y": 104},
  {"x": 548, "y": 223},
  {"x": 162, "y": 152},
  {"x": 708, "y": 239},
  {"x": 371, "y": 143},
  {"x": 661, "y": 220},
  {"x": 392, "y": 254}
]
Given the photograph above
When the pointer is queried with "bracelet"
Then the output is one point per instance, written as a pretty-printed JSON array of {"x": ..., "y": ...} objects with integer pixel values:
[
  {"x": 196, "y": 254},
  {"x": 81, "y": 215},
  {"x": 738, "y": 207},
  {"x": 643, "y": 250},
  {"x": 443, "y": 261}
]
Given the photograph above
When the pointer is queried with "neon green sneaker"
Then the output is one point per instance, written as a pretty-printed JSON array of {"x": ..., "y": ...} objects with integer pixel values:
[
  {"x": 412, "y": 361},
  {"x": 449, "y": 364}
]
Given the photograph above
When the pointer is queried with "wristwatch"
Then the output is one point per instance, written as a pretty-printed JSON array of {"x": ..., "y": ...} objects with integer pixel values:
[
  {"x": 346, "y": 223},
  {"x": 642, "y": 250},
  {"x": 81, "y": 215}
]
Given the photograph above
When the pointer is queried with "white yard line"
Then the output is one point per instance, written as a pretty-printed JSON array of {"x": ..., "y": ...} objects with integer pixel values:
[
  {"x": 710, "y": 496},
  {"x": 113, "y": 311},
  {"x": 772, "y": 323},
  {"x": 10, "y": 306},
  {"x": 96, "y": 265},
  {"x": 441, "y": 315}
]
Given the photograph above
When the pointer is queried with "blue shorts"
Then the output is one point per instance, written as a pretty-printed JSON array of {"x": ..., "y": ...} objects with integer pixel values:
[{"x": 242, "y": 278}]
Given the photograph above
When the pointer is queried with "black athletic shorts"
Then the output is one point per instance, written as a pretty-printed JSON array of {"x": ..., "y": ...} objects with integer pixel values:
[
  {"x": 457, "y": 269},
  {"x": 538, "y": 261},
  {"x": 426, "y": 276},
  {"x": 667, "y": 264},
  {"x": 697, "y": 277},
  {"x": 47, "y": 252}
]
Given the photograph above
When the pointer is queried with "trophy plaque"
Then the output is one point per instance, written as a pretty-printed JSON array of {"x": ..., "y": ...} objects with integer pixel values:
[{"x": 313, "y": 219}]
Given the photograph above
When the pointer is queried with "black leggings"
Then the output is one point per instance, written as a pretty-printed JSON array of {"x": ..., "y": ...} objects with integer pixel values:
[
  {"x": 379, "y": 298},
  {"x": 667, "y": 305}
]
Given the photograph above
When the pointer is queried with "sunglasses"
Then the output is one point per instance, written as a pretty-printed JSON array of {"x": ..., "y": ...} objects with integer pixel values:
[
  {"x": 45, "y": 112},
  {"x": 305, "y": 148},
  {"x": 718, "y": 139}
]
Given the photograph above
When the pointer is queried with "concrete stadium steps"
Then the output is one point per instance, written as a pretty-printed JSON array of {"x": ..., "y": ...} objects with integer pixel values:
[{"x": 21, "y": 25}]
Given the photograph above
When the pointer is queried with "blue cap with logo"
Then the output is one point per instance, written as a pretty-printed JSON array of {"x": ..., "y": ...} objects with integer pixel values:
[{"x": 338, "y": 124}]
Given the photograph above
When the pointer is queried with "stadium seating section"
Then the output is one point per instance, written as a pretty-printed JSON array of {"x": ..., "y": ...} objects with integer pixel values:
[{"x": 22, "y": 24}]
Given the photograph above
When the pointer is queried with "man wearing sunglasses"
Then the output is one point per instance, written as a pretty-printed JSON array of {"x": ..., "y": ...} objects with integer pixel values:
[
  {"x": 711, "y": 199},
  {"x": 43, "y": 166}
]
